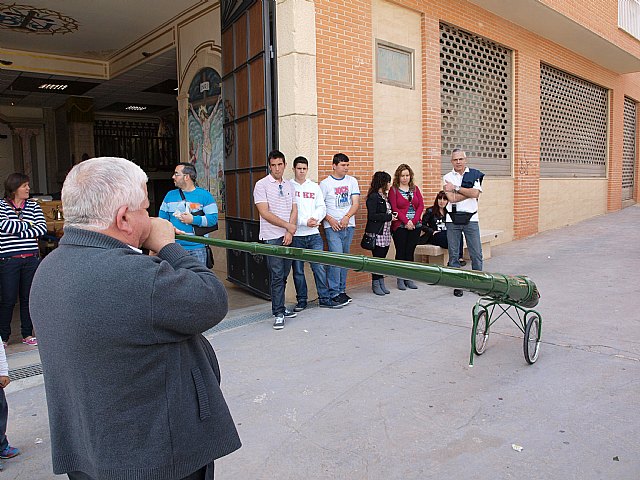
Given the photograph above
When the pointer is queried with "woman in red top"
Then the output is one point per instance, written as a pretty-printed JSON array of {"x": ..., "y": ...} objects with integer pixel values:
[{"x": 406, "y": 200}]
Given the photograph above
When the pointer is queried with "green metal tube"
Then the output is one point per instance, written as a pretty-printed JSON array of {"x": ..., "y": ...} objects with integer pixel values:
[{"x": 517, "y": 289}]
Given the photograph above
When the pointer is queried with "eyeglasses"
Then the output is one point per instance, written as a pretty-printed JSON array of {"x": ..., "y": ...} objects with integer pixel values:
[
  {"x": 176, "y": 174},
  {"x": 19, "y": 213},
  {"x": 280, "y": 190},
  {"x": 409, "y": 197}
]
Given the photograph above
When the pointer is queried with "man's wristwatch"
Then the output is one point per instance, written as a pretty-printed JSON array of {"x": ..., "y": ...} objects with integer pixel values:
[{"x": 456, "y": 189}]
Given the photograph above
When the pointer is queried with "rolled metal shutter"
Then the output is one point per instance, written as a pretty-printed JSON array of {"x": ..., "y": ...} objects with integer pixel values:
[
  {"x": 573, "y": 125},
  {"x": 476, "y": 107},
  {"x": 629, "y": 149}
]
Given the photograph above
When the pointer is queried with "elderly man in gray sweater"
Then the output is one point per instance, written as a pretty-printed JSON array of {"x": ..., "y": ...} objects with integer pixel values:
[{"x": 132, "y": 385}]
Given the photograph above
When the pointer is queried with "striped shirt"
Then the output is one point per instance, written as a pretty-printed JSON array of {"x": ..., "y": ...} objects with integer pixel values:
[
  {"x": 280, "y": 197},
  {"x": 19, "y": 230}
]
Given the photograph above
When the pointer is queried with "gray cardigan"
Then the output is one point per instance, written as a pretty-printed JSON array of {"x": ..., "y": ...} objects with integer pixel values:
[{"x": 132, "y": 385}]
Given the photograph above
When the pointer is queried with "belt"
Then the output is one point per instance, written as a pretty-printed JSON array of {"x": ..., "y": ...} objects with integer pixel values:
[{"x": 24, "y": 255}]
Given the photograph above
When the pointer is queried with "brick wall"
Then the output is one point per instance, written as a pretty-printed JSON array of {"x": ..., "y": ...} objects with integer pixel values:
[
  {"x": 345, "y": 95},
  {"x": 345, "y": 76}
]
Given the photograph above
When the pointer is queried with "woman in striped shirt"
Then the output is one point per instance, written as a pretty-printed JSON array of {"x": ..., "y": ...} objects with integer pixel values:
[{"x": 21, "y": 223}]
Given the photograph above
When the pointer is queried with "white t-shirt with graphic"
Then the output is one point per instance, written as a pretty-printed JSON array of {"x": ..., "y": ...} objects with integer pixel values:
[{"x": 337, "y": 197}]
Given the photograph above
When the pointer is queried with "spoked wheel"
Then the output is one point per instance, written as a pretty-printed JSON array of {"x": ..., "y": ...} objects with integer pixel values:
[
  {"x": 481, "y": 333},
  {"x": 531, "y": 342}
]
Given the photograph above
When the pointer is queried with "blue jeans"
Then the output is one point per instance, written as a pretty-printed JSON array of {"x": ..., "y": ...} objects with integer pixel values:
[
  {"x": 472, "y": 234},
  {"x": 278, "y": 272},
  {"x": 200, "y": 254},
  {"x": 339, "y": 242},
  {"x": 16, "y": 275},
  {"x": 311, "y": 242}
]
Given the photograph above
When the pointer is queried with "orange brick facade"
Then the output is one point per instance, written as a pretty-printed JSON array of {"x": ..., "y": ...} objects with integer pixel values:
[
  {"x": 345, "y": 77},
  {"x": 345, "y": 94}
]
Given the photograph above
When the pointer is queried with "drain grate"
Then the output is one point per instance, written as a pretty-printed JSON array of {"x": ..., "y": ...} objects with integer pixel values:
[{"x": 25, "y": 372}]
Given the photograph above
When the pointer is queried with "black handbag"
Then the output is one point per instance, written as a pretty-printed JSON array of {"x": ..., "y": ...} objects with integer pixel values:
[
  {"x": 210, "y": 261},
  {"x": 460, "y": 218},
  {"x": 200, "y": 231},
  {"x": 368, "y": 241}
]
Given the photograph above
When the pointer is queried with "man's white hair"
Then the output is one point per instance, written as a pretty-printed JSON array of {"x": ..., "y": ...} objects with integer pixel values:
[{"x": 95, "y": 189}]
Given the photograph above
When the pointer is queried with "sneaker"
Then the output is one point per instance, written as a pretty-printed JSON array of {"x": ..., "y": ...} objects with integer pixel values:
[
  {"x": 33, "y": 341},
  {"x": 463, "y": 262},
  {"x": 345, "y": 297},
  {"x": 9, "y": 452},
  {"x": 278, "y": 323},
  {"x": 300, "y": 306},
  {"x": 457, "y": 292},
  {"x": 339, "y": 300},
  {"x": 290, "y": 314},
  {"x": 329, "y": 304}
]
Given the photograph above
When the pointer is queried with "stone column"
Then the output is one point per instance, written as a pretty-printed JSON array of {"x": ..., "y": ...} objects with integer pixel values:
[
  {"x": 25, "y": 135},
  {"x": 297, "y": 92}
]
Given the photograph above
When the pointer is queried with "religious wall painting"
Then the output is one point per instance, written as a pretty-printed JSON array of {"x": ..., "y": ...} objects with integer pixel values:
[{"x": 206, "y": 141}]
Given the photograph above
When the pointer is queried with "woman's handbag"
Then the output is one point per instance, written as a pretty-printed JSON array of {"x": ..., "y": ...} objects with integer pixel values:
[{"x": 368, "y": 241}]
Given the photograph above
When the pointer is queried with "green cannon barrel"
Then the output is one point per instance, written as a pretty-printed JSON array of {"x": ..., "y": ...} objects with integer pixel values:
[{"x": 517, "y": 289}]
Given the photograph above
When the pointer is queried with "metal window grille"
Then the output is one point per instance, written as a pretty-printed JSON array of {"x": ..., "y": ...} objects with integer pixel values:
[
  {"x": 475, "y": 92},
  {"x": 573, "y": 125},
  {"x": 628, "y": 149}
]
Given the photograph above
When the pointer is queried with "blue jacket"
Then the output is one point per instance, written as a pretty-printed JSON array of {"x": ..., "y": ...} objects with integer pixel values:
[{"x": 470, "y": 177}]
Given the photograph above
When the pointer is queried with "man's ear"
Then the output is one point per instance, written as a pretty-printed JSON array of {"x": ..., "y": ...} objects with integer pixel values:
[{"x": 122, "y": 220}]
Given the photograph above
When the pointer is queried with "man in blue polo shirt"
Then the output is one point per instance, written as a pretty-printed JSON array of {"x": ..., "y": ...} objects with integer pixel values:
[{"x": 179, "y": 206}]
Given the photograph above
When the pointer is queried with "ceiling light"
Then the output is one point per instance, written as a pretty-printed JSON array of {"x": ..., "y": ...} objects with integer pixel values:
[
  {"x": 53, "y": 86},
  {"x": 136, "y": 108}
]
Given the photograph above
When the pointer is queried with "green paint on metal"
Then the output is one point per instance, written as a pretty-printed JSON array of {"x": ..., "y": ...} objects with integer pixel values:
[{"x": 512, "y": 289}]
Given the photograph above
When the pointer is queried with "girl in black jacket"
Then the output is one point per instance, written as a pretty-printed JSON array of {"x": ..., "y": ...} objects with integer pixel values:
[
  {"x": 434, "y": 224},
  {"x": 379, "y": 219}
]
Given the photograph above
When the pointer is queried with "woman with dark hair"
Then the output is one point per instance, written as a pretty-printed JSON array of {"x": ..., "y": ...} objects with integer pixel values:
[
  {"x": 406, "y": 200},
  {"x": 379, "y": 218},
  {"x": 434, "y": 224},
  {"x": 21, "y": 223}
]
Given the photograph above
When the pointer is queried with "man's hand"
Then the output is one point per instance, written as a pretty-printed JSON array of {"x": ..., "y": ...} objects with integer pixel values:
[
  {"x": 162, "y": 234},
  {"x": 344, "y": 222},
  {"x": 449, "y": 187},
  {"x": 288, "y": 238},
  {"x": 291, "y": 228},
  {"x": 4, "y": 381},
  {"x": 186, "y": 217},
  {"x": 335, "y": 225},
  {"x": 312, "y": 222}
]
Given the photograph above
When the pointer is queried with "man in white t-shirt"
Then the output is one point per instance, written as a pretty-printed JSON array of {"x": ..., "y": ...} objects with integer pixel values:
[
  {"x": 463, "y": 186},
  {"x": 311, "y": 211},
  {"x": 342, "y": 198}
]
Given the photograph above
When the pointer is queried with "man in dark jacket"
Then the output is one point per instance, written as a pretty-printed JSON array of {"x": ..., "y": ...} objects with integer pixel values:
[{"x": 132, "y": 385}]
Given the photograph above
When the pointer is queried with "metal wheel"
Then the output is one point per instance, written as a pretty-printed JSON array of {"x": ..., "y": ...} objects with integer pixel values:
[
  {"x": 531, "y": 342},
  {"x": 480, "y": 334}
]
